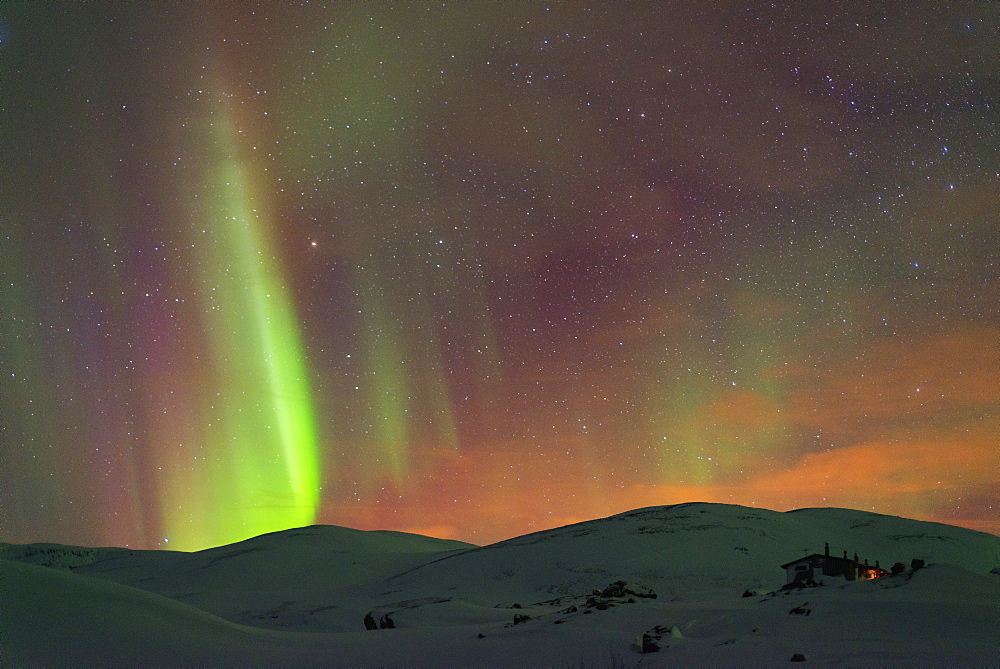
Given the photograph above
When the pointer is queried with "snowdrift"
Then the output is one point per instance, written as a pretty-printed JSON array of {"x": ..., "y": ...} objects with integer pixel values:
[{"x": 691, "y": 584}]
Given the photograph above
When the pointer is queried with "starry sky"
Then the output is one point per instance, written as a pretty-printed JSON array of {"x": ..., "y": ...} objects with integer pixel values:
[{"x": 479, "y": 269}]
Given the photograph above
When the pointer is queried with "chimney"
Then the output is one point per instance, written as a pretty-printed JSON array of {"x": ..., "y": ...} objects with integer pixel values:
[{"x": 828, "y": 549}]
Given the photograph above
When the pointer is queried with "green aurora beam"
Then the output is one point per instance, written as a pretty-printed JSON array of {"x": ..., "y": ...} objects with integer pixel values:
[{"x": 262, "y": 451}]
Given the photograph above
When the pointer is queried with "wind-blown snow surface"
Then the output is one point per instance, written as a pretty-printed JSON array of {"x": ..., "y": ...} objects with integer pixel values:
[{"x": 301, "y": 596}]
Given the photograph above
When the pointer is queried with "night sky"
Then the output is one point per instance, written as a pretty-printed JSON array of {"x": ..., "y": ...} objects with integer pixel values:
[{"x": 479, "y": 269}]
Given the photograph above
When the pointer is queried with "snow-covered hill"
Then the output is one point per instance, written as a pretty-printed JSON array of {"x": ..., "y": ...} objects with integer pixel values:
[
  {"x": 288, "y": 579},
  {"x": 577, "y": 595},
  {"x": 687, "y": 550}
]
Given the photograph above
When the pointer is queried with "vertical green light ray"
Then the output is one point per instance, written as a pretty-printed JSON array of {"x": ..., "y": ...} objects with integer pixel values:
[
  {"x": 259, "y": 468},
  {"x": 408, "y": 396},
  {"x": 25, "y": 368},
  {"x": 439, "y": 399},
  {"x": 684, "y": 442},
  {"x": 274, "y": 329},
  {"x": 388, "y": 392}
]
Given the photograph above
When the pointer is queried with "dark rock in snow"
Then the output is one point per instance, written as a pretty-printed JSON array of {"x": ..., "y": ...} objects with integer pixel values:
[
  {"x": 596, "y": 603},
  {"x": 649, "y": 645},
  {"x": 651, "y": 641},
  {"x": 624, "y": 588},
  {"x": 370, "y": 623},
  {"x": 798, "y": 657}
]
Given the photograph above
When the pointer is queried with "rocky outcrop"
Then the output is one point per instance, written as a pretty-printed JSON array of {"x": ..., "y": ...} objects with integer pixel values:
[
  {"x": 624, "y": 589},
  {"x": 383, "y": 623}
]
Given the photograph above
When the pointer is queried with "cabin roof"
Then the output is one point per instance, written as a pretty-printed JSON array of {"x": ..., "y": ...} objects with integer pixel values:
[{"x": 832, "y": 558}]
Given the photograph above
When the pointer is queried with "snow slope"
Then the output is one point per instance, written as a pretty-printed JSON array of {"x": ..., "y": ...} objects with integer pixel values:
[
  {"x": 300, "y": 596},
  {"x": 287, "y": 579},
  {"x": 53, "y": 617}
]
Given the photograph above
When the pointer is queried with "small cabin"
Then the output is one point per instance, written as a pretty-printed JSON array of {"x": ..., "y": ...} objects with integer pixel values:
[{"x": 812, "y": 568}]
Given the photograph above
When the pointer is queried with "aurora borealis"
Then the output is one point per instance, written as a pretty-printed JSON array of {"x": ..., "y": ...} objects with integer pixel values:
[{"x": 478, "y": 269}]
